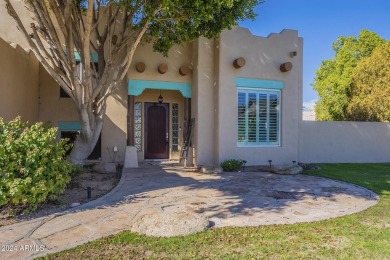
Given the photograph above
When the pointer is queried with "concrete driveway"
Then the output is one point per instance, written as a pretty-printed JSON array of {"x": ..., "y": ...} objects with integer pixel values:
[{"x": 229, "y": 199}]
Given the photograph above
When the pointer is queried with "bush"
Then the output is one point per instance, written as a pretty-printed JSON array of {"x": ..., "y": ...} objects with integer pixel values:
[
  {"x": 33, "y": 166},
  {"x": 232, "y": 165}
]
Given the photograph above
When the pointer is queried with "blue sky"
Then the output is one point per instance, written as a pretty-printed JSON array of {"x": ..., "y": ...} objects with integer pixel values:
[{"x": 320, "y": 22}]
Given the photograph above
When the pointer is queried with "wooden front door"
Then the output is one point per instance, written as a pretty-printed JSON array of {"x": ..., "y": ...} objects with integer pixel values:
[{"x": 156, "y": 131}]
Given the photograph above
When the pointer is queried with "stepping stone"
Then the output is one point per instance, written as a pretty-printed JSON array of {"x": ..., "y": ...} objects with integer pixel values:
[
  {"x": 170, "y": 224},
  {"x": 287, "y": 170}
]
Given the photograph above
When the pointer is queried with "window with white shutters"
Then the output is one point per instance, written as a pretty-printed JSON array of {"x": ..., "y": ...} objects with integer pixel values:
[{"x": 258, "y": 118}]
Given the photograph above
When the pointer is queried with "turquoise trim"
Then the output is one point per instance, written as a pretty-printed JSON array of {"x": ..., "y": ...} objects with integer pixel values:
[
  {"x": 77, "y": 56},
  {"x": 69, "y": 126},
  {"x": 94, "y": 56},
  {"x": 136, "y": 87},
  {"x": 259, "y": 83}
]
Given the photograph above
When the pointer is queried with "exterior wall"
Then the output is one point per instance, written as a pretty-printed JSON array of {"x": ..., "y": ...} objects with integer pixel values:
[
  {"x": 19, "y": 83},
  {"x": 51, "y": 107},
  {"x": 263, "y": 57},
  {"x": 177, "y": 56},
  {"x": 8, "y": 30},
  {"x": 203, "y": 102},
  {"x": 344, "y": 142},
  {"x": 115, "y": 126}
]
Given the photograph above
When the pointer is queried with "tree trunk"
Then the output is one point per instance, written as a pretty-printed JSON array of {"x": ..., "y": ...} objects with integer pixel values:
[{"x": 87, "y": 139}]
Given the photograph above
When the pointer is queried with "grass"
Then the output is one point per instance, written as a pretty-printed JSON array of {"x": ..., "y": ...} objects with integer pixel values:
[{"x": 365, "y": 235}]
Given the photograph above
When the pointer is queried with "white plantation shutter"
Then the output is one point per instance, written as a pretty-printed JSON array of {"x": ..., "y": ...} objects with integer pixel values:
[
  {"x": 263, "y": 118},
  {"x": 251, "y": 112},
  {"x": 241, "y": 123},
  {"x": 258, "y": 118},
  {"x": 273, "y": 119}
]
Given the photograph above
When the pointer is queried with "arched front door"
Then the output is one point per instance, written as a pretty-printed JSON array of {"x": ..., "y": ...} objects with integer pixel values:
[{"x": 156, "y": 131}]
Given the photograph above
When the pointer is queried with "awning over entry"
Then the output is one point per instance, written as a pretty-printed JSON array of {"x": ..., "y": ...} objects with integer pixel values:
[{"x": 136, "y": 87}]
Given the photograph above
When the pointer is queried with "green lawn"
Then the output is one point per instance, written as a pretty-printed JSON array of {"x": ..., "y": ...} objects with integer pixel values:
[{"x": 365, "y": 235}]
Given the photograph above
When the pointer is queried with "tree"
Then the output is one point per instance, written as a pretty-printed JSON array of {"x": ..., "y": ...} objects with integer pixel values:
[
  {"x": 334, "y": 78},
  {"x": 113, "y": 29},
  {"x": 371, "y": 87}
]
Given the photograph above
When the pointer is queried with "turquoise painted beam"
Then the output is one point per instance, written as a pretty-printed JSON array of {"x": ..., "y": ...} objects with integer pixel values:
[
  {"x": 69, "y": 126},
  {"x": 136, "y": 87},
  {"x": 259, "y": 83},
  {"x": 94, "y": 56}
]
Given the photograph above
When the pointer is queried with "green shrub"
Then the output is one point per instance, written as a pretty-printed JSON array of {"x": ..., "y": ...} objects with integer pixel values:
[
  {"x": 33, "y": 166},
  {"x": 232, "y": 165}
]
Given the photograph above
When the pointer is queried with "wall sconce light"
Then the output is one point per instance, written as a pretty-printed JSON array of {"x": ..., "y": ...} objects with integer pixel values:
[
  {"x": 160, "y": 98},
  {"x": 140, "y": 67},
  {"x": 286, "y": 67},
  {"x": 184, "y": 70},
  {"x": 115, "y": 149},
  {"x": 239, "y": 62},
  {"x": 162, "y": 68}
]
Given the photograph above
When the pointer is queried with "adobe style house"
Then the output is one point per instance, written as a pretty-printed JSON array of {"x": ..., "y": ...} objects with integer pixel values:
[
  {"x": 244, "y": 93},
  {"x": 244, "y": 104},
  {"x": 239, "y": 112}
]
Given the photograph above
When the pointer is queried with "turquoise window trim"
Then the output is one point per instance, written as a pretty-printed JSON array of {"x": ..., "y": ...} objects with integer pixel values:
[
  {"x": 259, "y": 83},
  {"x": 77, "y": 56},
  {"x": 94, "y": 56},
  {"x": 69, "y": 126},
  {"x": 136, "y": 87}
]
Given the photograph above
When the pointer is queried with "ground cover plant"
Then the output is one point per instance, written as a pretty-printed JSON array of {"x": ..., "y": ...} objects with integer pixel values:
[
  {"x": 365, "y": 235},
  {"x": 33, "y": 166},
  {"x": 232, "y": 165}
]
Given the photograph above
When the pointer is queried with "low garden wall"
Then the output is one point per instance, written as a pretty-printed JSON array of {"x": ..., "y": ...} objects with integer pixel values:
[{"x": 334, "y": 142}]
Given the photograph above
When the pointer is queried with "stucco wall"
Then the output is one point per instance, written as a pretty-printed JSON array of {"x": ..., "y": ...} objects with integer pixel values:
[
  {"x": 115, "y": 125},
  {"x": 263, "y": 58},
  {"x": 19, "y": 83},
  {"x": 179, "y": 55},
  {"x": 53, "y": 108},
  {"x": 334, "y": 142},
  {"x": 8, "y": 28},
  {"x": 203, "y": 102}
]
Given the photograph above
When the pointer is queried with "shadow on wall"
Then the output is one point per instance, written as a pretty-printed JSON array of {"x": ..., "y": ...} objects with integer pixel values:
[
  {"x": 113, "y": 136},
  {"x": 19, "y": 94},
  {"x": 120, "y": 94}
]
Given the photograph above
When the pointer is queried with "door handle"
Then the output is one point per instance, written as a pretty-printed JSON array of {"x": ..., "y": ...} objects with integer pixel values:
[{"x": 167, "y": 137}]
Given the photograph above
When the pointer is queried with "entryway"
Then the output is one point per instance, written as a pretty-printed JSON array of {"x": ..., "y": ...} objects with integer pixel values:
[
  {"x": 156, "y": 130},
  {"x": 162, "y": 111}
]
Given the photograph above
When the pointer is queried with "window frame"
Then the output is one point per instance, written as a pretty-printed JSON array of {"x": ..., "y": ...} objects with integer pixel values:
[
  {"x": 75, "y": 127},
  {"x": 79, "y": 67},
  {"x": 258, "y": 91}
]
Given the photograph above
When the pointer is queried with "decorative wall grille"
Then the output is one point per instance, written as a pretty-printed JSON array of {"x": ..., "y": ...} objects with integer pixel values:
[
  {"x": 175, "y": 127},
  {"x": 138, "y": 125}
]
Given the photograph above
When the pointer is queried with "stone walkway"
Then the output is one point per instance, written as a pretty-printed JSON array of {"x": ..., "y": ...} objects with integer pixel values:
[{"x": 229, "y": 199}]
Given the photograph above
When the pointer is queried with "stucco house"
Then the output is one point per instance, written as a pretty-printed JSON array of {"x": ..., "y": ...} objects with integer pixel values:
[
  {"x": 244, "y": 104},
  {"x": 243, "y": 92}
]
